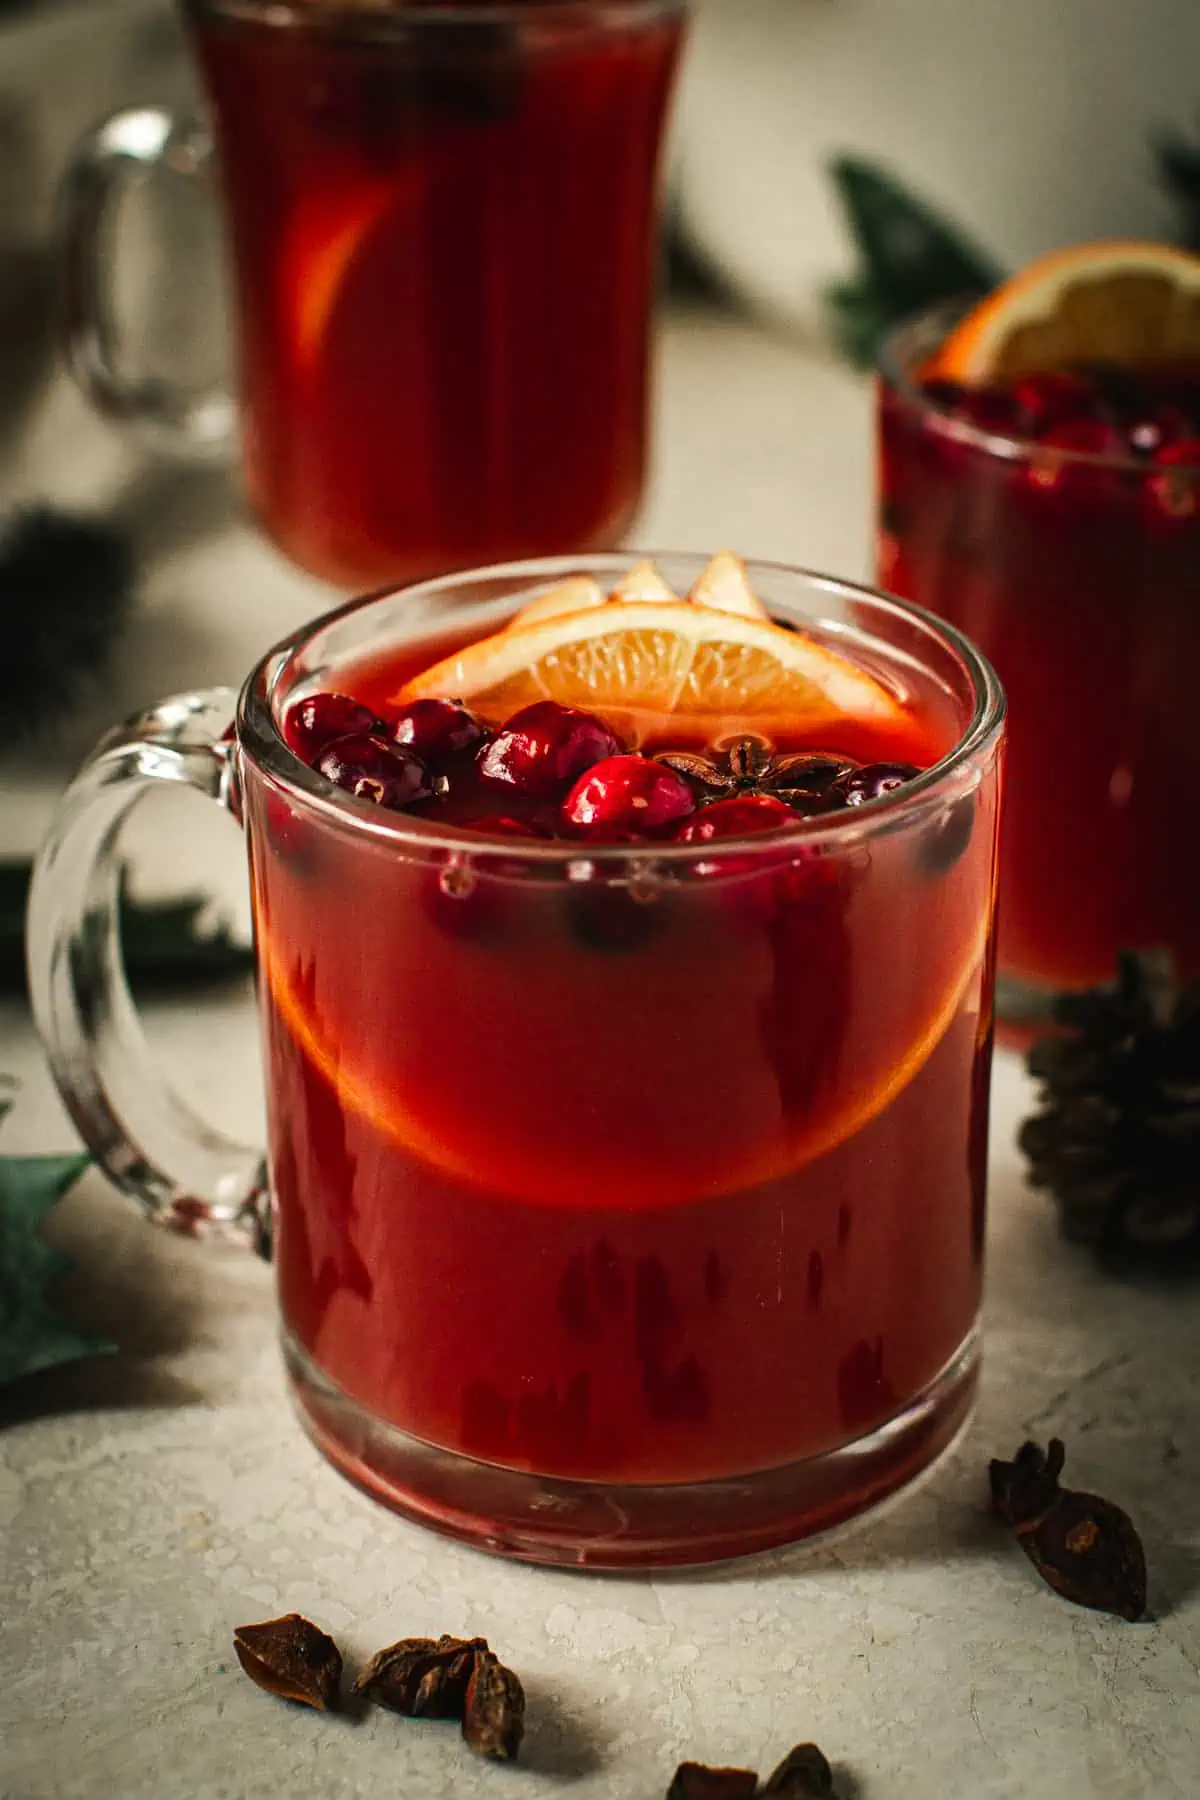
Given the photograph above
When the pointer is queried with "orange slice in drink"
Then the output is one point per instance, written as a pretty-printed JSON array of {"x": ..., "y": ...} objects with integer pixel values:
[
  {"x": 1128, "y": 304},
  {"x": 325, "y": 240},
  {"x": 650, "y": 664},
  {"x": 722, "y": 585}
]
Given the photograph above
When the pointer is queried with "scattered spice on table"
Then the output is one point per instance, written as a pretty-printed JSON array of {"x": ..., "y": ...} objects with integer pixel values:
[
  {"x": 804, "y": 1774},
  {"x": 422, "y": 1678},
  {"x": 1086, "y": 1548},
  {"x": 292, "y": 1659},
  {"x": 494, "y": 1712},
  {"x": 695, "y": 1781}
]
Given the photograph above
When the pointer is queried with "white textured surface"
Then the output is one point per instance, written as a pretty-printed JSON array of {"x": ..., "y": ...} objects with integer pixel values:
[{"x": 151, "y": 1502}]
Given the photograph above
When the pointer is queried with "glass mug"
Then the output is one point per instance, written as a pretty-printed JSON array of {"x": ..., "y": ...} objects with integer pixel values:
[
  {"x": 626, "y": 1209},
  {"x": 1078, "y": 575},
  {"x": 444, "y": 239}
]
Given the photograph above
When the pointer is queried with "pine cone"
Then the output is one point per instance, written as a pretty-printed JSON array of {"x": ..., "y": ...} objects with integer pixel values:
[{"x": 1117, "y": 1139}]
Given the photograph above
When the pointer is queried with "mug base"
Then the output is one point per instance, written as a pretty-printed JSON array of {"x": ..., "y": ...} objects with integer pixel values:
[{"x": 597, "y": 1525}]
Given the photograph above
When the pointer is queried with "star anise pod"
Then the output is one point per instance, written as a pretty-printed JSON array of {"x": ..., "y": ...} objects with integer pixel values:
[{"x": 746, "y": 766}]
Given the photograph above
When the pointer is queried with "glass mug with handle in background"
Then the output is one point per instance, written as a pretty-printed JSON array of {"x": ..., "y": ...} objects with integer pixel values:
[
  {"x": 626, "y": 1208},
  {"x": 443, "y": 227}
]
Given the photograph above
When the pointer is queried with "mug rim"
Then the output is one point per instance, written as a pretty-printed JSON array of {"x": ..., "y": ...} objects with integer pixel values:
[
  {"x": 385, "y": 21},
  {"x": 260, "y": 738},
  {"x": 897, "y": 362}
]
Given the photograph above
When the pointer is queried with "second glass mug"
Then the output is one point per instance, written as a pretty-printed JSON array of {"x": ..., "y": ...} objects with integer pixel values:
[
  {"x": 1079, "y": 576},
  {"x": 443, "y": 227},
  {"x": 626, "y": 1209}
]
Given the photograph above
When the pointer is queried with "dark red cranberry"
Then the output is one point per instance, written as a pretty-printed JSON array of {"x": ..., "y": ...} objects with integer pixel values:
[
  {"x": 627, "y": 797},
  {"x": 1175, "y": 485},
  {"x": 1084, "y": 437},
  {"x": 945, "y": 395},
  {"x": 371, "y": 767},
  {"x": 875, "y": 780},
  {"x": 991, "y": 410},
  {"x": 436, "y": 730},
  {"x": 320, "y": 718},
  {"x": 742, "y": 816},
  {"x": 1044, "y": 401},
  {"x": 546, "y": 746}
]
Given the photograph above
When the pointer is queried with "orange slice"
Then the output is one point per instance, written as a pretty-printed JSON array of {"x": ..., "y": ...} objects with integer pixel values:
[
  {"x": 725, "y": 585},
  {"x": 325, "y": 240},
  {"x": 1129, "y": 304},
  {"x": 722, "y": 585},
  {"x": 576, "y": 594},
  {"x": 648, "y": 662}
]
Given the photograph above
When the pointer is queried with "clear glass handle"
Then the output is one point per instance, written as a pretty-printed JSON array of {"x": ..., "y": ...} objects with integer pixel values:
[
  {"x": 129, "y": 148},
  {"x": 181, "y": 1170}
]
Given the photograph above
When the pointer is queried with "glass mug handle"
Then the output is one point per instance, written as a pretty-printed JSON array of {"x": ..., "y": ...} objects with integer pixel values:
[
  {"x": 127, "y": 149},
  {"x": 182, "y": 1171}
]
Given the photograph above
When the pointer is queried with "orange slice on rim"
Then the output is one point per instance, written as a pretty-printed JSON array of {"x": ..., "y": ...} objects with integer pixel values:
[
  {"x": 722, "y": 585},
  {"x": 1128, "y": 304},
  {"x": 649, "y": 662}
]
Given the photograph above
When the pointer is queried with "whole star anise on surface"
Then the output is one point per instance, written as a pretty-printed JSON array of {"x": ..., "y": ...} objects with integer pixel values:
[{"x": 747, "y": 766}]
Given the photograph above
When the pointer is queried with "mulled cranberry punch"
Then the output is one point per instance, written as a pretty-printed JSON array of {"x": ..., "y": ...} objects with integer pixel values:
[
  {"x": 1040, "y": 487},
  {"x": 442, "y": 218},
  {"x": 624, "y": 947}
]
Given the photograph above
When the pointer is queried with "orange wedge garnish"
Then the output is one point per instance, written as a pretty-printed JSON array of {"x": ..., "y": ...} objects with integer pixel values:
[
  {"x": 647, "y": 662},
  {"x": 722, "y": 585},
  {"x": 1128, "y": 304}
]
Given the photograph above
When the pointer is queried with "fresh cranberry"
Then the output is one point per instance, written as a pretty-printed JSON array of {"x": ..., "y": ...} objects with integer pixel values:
[
  {"x": 627, "y": 797},
  {"x": 742, "y": 816},
  {"x": 371, "y": 767},
  {"x": 875, "y": 780},
  {"x": 1051, "y": 399},
  {"x": 1175, "y": 485},
  {"x": 436, "y": 730},
  {"x": 320, "y": 718},
  {"x": 990, "y": 410},
  {"x": 546, "y": 746}
]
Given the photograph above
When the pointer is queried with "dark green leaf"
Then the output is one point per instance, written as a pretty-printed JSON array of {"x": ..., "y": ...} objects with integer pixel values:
[
  {"x": 909, "y": 258},
  {"x": 167, "y": 943},
  {"x": 32, "y": 1335},
  {"x": 1179, "y": 171}
]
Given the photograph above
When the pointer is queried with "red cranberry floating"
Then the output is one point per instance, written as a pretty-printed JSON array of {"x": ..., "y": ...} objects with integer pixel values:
[
  {"x": 371, "y": 767},
  {"x": 990, "y": 410},
  {"x": 1044, "y": 401},
  {"x": 875, "y": 780},
  {"x": 320, "y": 718},
  {"x": 1175, "y": 485},
  {"x": 627, "y": 797},
  {"x": 436, "y": 730},
  {"x": 545, "y": 746},
  {"x": 742, "y": 816}
]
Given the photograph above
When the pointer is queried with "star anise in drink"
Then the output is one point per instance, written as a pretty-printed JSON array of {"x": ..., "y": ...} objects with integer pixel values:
[{"x": 747, "y": 766}]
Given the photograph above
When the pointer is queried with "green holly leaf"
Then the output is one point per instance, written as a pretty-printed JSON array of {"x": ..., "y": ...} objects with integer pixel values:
[
  {"x": 32, "y": 1335},
  {"x": 909, "y": 259}
]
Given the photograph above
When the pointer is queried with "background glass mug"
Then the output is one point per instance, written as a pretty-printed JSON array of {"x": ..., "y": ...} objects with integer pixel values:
[
  {"x": 625, "y": 1210},
  {"x": 1079, "y": 576},
  {"x": 444, "y": 244}
]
